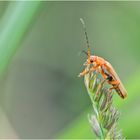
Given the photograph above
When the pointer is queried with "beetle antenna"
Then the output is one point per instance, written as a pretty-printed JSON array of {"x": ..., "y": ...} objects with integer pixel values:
[
  {"x": 85, "y": 52},
  {"x": 87, "y": 41}
]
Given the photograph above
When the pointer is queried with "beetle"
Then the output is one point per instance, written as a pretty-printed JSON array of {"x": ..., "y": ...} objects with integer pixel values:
[{"x": 104, "y": 68}]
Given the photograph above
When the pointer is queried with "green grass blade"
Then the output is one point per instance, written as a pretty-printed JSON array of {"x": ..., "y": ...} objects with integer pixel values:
[{"x": 15, "y": 22}]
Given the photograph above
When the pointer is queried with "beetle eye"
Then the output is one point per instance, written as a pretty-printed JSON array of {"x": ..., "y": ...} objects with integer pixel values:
[{"x": 91, "y": 61}]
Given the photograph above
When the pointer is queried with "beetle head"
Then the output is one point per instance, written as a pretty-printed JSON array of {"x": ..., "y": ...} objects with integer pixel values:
[{"x": 90, "y": 60}]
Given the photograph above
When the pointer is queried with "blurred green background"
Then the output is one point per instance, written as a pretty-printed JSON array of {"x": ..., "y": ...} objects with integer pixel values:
[{"x": 40, "y": 93}]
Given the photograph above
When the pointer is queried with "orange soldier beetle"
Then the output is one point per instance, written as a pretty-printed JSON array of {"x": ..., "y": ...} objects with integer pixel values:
[{"x": 104, "y": 68}]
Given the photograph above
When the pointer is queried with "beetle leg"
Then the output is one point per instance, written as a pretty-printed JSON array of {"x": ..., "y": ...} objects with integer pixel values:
[
  {"x": 100, "y": 86},
  {"x": 103, "y": 81},
  {"x": 87, "y": 71},
  {"x": 115, "y": 85},
  {"x": 104, "y": 74},
  {"x": 93, "y": 68},
  {"x": 83, "y": 73}
]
